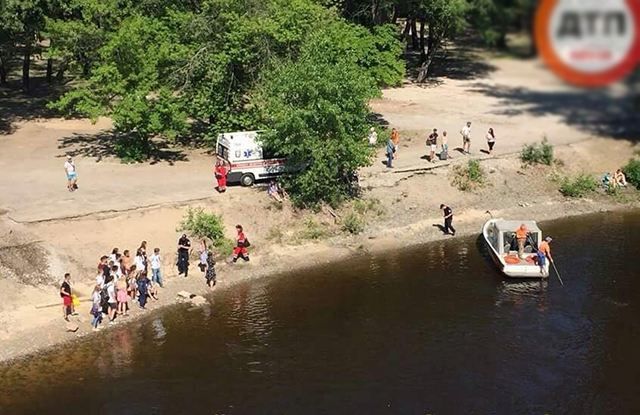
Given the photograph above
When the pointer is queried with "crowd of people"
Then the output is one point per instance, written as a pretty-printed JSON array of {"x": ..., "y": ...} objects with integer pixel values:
[{"x": 124, "y": 279}]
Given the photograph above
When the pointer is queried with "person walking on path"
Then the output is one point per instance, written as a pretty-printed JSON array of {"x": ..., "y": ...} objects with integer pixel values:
[
  {"x": 432, "y": 141},
  {"x": 491, "y": 139},
  {"x": 391, "y": 150},
  {"x": 65, "y": 293},
  {"x": 72, "y": 174},
  {"x": 448, "y": 220},
  {"x": 521, "y": 238},
  {"x": 395, "y": 137},
  {"x": 466, "y": 137},
  {"x": 156, "y": 265},
  {"x": 242, "y": 243},
  {"x": 184, "y": 246},
  {"x": 210, "y": 273},
  {"x": 96, "y": 308},
  {"x": 445, "y": 146},
  {"x": 221, "y": 172}
]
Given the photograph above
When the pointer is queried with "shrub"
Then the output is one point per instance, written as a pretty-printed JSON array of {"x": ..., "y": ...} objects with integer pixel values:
[
  {"x": 632, "y": 171},
  {"x": 313, "y": 230},
  {"x": 206, "y": 225},
  {"x": 353, "y": 223},
  {"x": 537, "y": 153},
  {"x": 469, "y": 176},
  {"x": 578, "y": 186}
]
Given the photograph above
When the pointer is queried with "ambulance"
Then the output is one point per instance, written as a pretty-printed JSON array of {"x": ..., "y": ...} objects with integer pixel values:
[{"x": 248, "y": 160}]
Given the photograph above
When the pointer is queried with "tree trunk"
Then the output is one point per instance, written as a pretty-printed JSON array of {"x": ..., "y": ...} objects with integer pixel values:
[
  {"x": 3, "y": 71},
  {"x": 432, "y": 48},
  {"x": 394, "y": 15},
  {"x": 26, "y": 64},
  {"x": 49, "y": 70},
  {"x": 407, "y": 31},
  {"x": 414, "y": 34},
  {"x": 423, "y": 55},
  {"x": 61, "y": 70}
]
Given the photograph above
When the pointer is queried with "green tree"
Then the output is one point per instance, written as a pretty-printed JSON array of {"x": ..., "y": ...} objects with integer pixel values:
[{"x": 317, "y": 111}]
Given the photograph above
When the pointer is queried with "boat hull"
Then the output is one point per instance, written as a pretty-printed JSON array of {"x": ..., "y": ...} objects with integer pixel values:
[{"x": 511, "y": 270}]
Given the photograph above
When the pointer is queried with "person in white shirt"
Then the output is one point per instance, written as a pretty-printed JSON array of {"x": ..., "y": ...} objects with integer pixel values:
[
  {"x": 100, "y": 280},
  {"x": 156, "y": 265},
  {"x": 72, "y": 174},
  {"x": 466, "y": 137},
  {"x": 373, "y": 137},
  {"x": 112, "y": 300}
]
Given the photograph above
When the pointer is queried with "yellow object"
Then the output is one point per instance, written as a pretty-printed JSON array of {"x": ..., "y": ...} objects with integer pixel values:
[{"x": 75, "y": 300}]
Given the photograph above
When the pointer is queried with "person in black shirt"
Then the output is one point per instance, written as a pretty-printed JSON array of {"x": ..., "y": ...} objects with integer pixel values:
[
  {"x": 184, "y": 246},
  {"x": 448, "y": 219},
  {"x": 65, "y": 293}
]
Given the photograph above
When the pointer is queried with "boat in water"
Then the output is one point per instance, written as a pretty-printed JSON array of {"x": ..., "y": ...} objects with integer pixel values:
[{"x": 500, "y": 238}]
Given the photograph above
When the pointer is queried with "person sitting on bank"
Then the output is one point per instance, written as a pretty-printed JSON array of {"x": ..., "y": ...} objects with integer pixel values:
[
  {"x": 619, "y": 179},
  {"x": 275, "y": 191},
  {"x": 521, "y": 238}
]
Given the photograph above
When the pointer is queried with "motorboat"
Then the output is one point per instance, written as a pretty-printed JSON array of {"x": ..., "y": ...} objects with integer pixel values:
[{"x": 500, "y": 238}]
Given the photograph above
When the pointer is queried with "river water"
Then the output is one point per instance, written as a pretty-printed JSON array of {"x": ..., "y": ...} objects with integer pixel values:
[{"x": 432, "y": 329}]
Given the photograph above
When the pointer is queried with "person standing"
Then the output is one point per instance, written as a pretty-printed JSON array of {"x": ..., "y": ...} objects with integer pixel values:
[
  {"x": 121, "y": 296},
  {"x": 65, "y": 293},
  {"x": 72, "y": 174},
  {"x": 221, "y": 172},
  {"x": 521, "y": 238},
  {"x": 210, "y": 273},
  {"x": 545, "y": 248},
  {"x": 143, "y": 290},
  {"x": 373, "y": 137},
  {"x": 184, "y": 246},
  {"x": 445, "y": 146},
  {"x": 491, "y": 139},
  {"x": 466, "y": 137},
  {"x": 448, "y": 220},
  {"x": 391, "y": 149},
  {"x": 96, "y": 309},
  {"x": 242, "y": 243},
  {"x": 112, "y": 299},
  {"x": 395, "y": 137},
  {"x": 432, "y": 141},
  {"x": 156, "y": 265}
]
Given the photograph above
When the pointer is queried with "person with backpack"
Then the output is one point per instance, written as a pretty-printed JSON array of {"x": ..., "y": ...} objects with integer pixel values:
[{"x": 242, "y": 243}]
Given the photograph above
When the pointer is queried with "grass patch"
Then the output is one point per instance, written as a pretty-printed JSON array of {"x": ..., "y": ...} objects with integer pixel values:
[
  {"x": 578, "y": 186},
  {"x": 313, "y": 230},
  {"x": 353, "y": 223},
  {"x": 468, "y": 177},
  {"x": 537, "y": 153},
  {"x": 275, "y": 234}
]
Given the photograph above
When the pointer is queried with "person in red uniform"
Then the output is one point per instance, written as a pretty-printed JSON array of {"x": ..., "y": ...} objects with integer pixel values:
[
  {"x": 221, "y": 172},
  {"x": 242, "y": 243}
]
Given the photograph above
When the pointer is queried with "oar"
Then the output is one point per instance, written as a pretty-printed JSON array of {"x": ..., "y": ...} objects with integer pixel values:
[{"x": 557, "y": 273}]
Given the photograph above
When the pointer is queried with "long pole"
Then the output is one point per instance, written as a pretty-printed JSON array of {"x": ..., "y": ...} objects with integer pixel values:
[{"x": 557, "y": 273}]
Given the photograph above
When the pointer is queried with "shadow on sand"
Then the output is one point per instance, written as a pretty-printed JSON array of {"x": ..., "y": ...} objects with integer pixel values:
[{"x": 102, "y": 145}]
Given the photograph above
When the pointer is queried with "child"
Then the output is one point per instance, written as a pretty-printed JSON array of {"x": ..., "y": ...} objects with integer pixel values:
[
  {"x": 96, "y": 308},
  {"x": 132, "y": 283},
  {"x": 156, "y": 264},
  {"x": 121, "y": 296}
]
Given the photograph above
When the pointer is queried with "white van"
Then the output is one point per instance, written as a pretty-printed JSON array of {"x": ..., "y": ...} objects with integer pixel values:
[{"x": 247, "y": 159}]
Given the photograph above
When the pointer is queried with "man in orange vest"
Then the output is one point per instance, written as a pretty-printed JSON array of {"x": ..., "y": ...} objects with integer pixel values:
[
  {"x": 545, "y": 248},
  {"x": 521, "y": 237}
]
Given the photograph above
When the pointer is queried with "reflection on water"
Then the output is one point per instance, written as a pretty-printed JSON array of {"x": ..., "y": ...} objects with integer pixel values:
[{"x": 427, "y": 330}]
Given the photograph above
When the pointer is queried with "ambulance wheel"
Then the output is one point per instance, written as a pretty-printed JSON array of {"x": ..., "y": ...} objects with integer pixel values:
[{"x": 247, "y": 179}]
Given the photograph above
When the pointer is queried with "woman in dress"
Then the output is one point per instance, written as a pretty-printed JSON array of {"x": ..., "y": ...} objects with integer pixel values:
[{"x": 121, "y": 296}]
